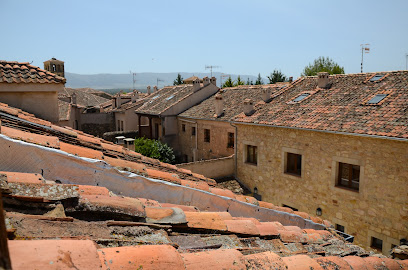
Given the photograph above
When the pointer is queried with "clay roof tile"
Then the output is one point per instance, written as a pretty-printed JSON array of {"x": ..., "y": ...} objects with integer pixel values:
[
  {"x": 214, "y": 259},
  {"x": 48, "y": 141},
  {"x": 265, "y": 260},
  {"x": 301, "y": 262}
]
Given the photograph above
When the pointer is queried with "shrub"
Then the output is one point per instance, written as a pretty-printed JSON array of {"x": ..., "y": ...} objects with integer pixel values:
[{"x": 154, "y": 149}]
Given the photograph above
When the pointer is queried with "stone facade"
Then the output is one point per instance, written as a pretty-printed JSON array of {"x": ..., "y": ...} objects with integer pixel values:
[
  {"x": 379, "y": 209},
  {"x": 194, "y": 147},
  {"x": 212, "y": 168}
]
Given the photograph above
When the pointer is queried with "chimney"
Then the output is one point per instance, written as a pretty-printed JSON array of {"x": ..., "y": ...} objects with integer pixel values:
[
  {"x": 322, "y": 79},
  {"x": 148, "y": 90},
  {"x": 135, "y": 96},
  {"x": 154, "y": 89},
  {"x": 266, "y": 95},
  {"x": 101, "y": 109},
  {"x": 119, "y": 100},
  {"x": 206, "y": 81},
  {"x": 219, "y": 104},
  {"x": 196, "y": 85},
  {"x": 213, "y": 80},
  {"x": 290, "y": 79},
  {"x": 248, "y": 107},
  {"x": 113, "y": 102},
  {"x": 73, "y": 99}
]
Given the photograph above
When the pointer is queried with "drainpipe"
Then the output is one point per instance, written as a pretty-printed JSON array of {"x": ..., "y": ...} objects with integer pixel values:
[
  {"x": 196, "y": 135},
  {"x": 235, "y": 150}
]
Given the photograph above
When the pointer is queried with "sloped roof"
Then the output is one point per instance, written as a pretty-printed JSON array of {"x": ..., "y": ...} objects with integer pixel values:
[
  {"x": 15, "y": 72},
  {"x": 91, "y": 228},
  {"x": 84, "y": 98},
  {"x": 165, "y": 98},
  {"x": 342, "y": 107},
  {"x": 233, "y": 98}
]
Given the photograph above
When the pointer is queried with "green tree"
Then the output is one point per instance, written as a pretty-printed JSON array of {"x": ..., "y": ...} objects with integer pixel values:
[
  {"x": 239, "y": 81},
  {"x": 249, "y": 82},
  {"x": 259, "y": 80},
  {"x": 154, "y": 149},
  {"x": 228, "y": 83},
  {"x": 179, "y": 80},
  {"x": 277, "y": 76},
  {"x": 322, "y": 64}
]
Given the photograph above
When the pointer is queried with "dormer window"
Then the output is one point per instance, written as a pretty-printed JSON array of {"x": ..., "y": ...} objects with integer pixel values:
[
  {"x": 301, "y": 97},
  {"x": 376, "y": 77},
  {"x": 377, "y": 99}
]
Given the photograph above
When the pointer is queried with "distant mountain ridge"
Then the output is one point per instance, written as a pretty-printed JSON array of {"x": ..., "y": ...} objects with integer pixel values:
[{"x": 125, "y": 81}]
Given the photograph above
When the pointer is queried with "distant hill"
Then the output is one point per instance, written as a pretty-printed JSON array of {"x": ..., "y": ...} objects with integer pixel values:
[{"x": 114, "y": 82}]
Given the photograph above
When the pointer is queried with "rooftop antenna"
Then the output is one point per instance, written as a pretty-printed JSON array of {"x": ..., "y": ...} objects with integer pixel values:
[
  {"x": 134, "y": 78},
  {"x": 157, "y": 82},
  {"x": 223, "y": 75},
  {"x": 211, "y": 68},
  {"x": 364, "y": 49}
]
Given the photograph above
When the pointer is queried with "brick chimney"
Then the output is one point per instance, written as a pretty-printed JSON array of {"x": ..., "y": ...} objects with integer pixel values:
[
  {"x": 219, "y": 104},
  {"x": 196, "y": 85},
  {"x": 322, "y": 79},
  {"x": 213, "y": 80},
  {"x": 206, "y": 81},
  {"x": 290, "y": 79},
  {"x": 135, "y": 96},
  {"x": 266, "y": 95},
  {"x": 73, "y": 99},
  {"x": 148, "y": 90},
  {"x": 154, "y": 89},
  {"x": 248, "y": 106}
]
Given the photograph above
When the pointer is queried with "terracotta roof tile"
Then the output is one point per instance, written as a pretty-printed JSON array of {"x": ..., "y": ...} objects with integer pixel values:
[
  {"x": 265, "y": 260},
  {"x": 163, "y": 175},
  {"x": 356, "y": 262},
  {"x": 215, "y": 259},
  {"x": 196, "y": 184},
  {"x": 18, "y": 177},
  {"x": 48, "y": 141},
  {"x": 205, "y": 220},
  {"x": 333, "y": 263},
  {"x": 157, "y": 257},
  {"x": 269, "y": 228},
  {"x": 89, "y": 139},
  {"x": 150, "y": 202},
  {"x": 165, "y": 215},
  {"x": 54, "y": 254},
  {"x": 137, "y": 167},
  {"x": 80, "y": 151},
  {"x": 14, "y": 72},
  {"x": 92, "y": 190},
  {"x": 247, "y": 199},
  {"x": 185, "y": 208},
  {"x": 223, "y": 192},
  {"x": 299, "y": 262},
  {"x": 244, "y": 227}
]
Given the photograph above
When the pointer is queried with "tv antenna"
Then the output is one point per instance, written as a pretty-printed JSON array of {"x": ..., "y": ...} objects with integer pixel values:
[
  {"x": 211, "y": 68},
  {"x": 157, "y": 82},
  {"x": 364, "y": 49},
  {"x": 134, "y": 78}
]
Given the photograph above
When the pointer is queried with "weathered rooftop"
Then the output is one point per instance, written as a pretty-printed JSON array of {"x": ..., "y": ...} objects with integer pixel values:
[{"x": 16, "y": 72}]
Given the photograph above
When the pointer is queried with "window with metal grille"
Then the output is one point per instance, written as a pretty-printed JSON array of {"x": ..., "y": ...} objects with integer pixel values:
[
  {"x": 349, "y": 176},
  {"x": 294, "y": 164},
  {"x": 252, "y": 154},
  {"x": 206, "y": 135},
  {"x": 230, "y": 140}
]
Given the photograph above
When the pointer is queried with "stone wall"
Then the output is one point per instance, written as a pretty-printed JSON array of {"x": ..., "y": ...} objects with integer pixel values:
[
  {"x": 217, "y": 147},
  {"x": 212, "y": 168},
  {"x": 379, "y": 209}
]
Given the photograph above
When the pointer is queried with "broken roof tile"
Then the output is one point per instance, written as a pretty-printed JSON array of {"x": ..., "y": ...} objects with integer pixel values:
[{"x": 165, "y": 215}]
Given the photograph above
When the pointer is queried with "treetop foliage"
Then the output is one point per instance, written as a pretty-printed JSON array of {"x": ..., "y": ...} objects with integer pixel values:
[
  {"x": 154, "y": 149},
  {"x": 277, "y": 76},
  {"x": 178, "y": 80},
  {"x": 322, "y": 64},
  {"x": 259, "y": 80}
]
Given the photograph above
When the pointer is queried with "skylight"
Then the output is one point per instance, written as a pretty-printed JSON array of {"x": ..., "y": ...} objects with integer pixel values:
[
  {"x": 170, "y": 97},
  {"x": 155, "y": 97},
  {"x": 376, "y": 78},
  {"x": 377, "y": 99},
  {"x": 301, "y": 97}
]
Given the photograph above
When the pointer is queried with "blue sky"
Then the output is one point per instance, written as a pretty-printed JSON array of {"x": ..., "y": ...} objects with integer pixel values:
[{"x": 243, "y": 37}]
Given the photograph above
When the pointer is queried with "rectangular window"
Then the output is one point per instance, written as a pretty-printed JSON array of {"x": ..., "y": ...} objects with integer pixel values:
[
  {"x": 193, "y": 131},
  {"x": 340, "y": 228},
  {"x": 294, "y": 164},
  {"x": 183, "y": 127},
  {"x": 206, "y": 135},
  {"x": 348, "y": 176},
  {"x": 230, "y": 140},
  {"x": 252, "y": 154},
  {"x": 376, "y": 243},
  {"x": 118, "y": 125}
]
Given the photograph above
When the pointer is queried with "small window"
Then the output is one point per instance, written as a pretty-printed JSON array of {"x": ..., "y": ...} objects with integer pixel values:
[
  {"x": 340, "y": 228},
  {"x": 252, "y": 154},
  {"x": 294, "y": 164},
  {"x": 376, "y": 243},
  {"x": 293, "y": 208},
  {"x": 349, "y": 176},
  {"x": 193, "y": 131},
  {"x": 206, "y": 135},
  {"x": 183, "y": 127},
  {"x": 376, "y": 78},
  {"x": 301, "y": 97},
  {"x": 230, "y": 140},
  {"x": 377, "y": 99}
]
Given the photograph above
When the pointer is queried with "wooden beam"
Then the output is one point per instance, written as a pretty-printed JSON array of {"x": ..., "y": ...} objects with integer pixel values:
[{"x": 5, "y": 262}]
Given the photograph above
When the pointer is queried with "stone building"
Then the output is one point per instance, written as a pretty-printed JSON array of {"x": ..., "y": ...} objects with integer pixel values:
[
  {"x": 30, "y": 88},
  {"x": 55, "y": 66},
  {"x": 161, "y": 111},
  {"x": 205, "y": 130},
  {"x": 335, "y": 146}
]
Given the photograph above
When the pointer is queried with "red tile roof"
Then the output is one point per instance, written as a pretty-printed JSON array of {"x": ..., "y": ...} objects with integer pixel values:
[
  {"x": 341, "y": 107},
  {"x": 15, "y": 72}
]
